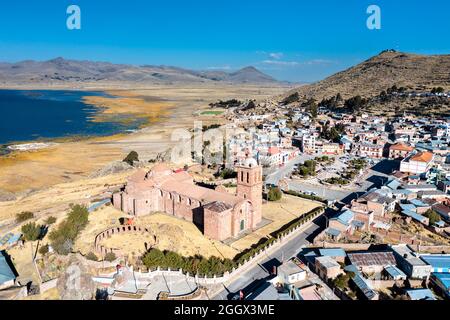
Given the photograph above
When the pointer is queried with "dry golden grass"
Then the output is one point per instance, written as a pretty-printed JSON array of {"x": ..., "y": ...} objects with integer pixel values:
[
  {"x": 23, "y": 262},
  {"x": 55, "y": 200},
  {"x": 280, "y": 213},
  {"x": 171, "y": 234},
  {"x": 63, "y": 162},
  {"x": 130, "y": 106}
]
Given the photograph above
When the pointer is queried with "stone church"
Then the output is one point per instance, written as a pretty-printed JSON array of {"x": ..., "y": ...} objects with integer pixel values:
[{"x": 219, "y": 214}]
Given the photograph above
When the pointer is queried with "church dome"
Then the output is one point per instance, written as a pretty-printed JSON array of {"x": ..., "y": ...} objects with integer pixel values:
[{"x": 159, "y": 170}]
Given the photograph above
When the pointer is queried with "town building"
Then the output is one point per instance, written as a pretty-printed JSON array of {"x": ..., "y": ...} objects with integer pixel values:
[
  {"x": 371, "y": 262},
  {"x": 410, "y": 263},
  {"x": 400, "y": 151},
  {"x": 418, "y": 163},
  {"x": 327, "y": 267}
]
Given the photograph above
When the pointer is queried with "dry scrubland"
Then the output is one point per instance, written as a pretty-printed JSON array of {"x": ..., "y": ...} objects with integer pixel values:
[{"x": 56, "y": 199}]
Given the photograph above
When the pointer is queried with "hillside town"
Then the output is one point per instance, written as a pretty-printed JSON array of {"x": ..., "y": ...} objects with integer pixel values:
[{"x": 379, "y": 187}]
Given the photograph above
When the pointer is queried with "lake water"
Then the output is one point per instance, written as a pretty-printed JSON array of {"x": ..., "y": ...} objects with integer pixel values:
[{"x": 45, "y": 114}]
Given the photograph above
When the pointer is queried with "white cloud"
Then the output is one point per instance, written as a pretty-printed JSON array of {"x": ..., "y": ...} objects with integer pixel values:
[
  {"x": 313, "y": 62},
  {"x": 281, "y": 62},
  {"x": 276, "y": 55}
]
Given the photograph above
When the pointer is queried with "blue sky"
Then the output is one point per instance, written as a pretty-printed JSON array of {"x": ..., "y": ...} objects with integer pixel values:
[{"x": 292, "y": 40}]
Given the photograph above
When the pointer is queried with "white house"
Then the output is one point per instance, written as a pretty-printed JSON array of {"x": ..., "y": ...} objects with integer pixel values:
[{"x": 417, "y": 163}]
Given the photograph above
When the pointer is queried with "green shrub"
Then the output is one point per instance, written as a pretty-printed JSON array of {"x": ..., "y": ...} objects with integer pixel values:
[
  {"x": 194, "y": 265},
  {"x": 131, "y": 158},
  {"x": 43, "y": 250},
  {"x": 274, "y": 194},
  {"x": 63, "y": 238},
  {"x": 433, "y": 216},
  {"x": 228, "y": 174},
  {"x": 110, "y": 256},
  {"x": 24, "y": 216},
  {"x": 91, "y": 256},
  {"x": 50, "y": 220},
  {"x": 31, "y": 231},
  {"x": 306, "y": 196}
]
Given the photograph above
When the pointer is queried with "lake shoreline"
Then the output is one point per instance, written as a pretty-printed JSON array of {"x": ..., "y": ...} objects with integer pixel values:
[{"x": 75, "y": 158}]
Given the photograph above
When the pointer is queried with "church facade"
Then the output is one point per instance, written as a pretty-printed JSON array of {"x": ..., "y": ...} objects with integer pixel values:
[{"x": 219, "y": 214}]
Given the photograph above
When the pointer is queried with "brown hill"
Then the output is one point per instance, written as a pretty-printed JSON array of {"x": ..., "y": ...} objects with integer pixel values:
[{"x": 383, "y": 71}]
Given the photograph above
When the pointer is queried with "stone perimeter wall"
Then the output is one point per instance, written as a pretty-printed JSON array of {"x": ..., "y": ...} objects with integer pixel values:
[{"x": 115, "y": 231}]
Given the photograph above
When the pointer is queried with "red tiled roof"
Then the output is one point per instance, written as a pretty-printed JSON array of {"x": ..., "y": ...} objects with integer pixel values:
[{"x": 401, "y": 147}]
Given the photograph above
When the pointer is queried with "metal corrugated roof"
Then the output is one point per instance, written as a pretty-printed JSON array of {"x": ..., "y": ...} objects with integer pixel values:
[
  {"x": 364, "y": 286},
  {"x": 395, "y": 272},
  {"x": 444, "y": 278},
  {"x": 333, "y": 252},
  {"x": 372, "y": 259},
  {"x": 6, "y": 273},
  {"x": 420, "y": 294},
  {"x": 437, "y": 261},
  {"x": 333, "y": 232},
  {"x": 414, "y": 215}
]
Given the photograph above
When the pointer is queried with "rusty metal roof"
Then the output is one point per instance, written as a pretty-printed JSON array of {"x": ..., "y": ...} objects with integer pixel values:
[{"x": 372, "y": 259}]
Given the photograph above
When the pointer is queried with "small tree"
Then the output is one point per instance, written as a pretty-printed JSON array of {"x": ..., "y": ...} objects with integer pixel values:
[
  {"x": 24, "y": 216},
  {"x": 50, "y": 220},
  {"x": 131, "y": 158},
  {"x": 31, "y": 231},
  {"x": 91, "y": 256},
  {"x": 433, "y": 216},
  {"x": 110, "y": 256},
  {"x": 43, "y": 250},
  {"x": 274, "y": 194}
]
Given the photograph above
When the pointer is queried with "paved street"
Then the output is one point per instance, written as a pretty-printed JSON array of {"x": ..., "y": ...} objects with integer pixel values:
[
  {"x": 261, "y": 270},
  {"x": 369, "y": 178}
]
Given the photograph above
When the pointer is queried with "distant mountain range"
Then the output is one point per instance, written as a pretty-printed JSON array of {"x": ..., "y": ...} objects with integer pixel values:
[
  {"x": 369, "y": 78},
  {"x": 61, "y": 70}
]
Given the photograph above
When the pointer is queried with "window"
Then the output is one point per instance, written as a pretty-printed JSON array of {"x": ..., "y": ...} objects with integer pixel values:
[
  {"x": 242, "y": 225},
  {"x": 248, "y": 177}
]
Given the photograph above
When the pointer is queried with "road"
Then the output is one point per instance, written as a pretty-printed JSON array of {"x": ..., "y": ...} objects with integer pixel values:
[
  {"x": 261, "y": 270},
  {"x": 369, "y": 179}
]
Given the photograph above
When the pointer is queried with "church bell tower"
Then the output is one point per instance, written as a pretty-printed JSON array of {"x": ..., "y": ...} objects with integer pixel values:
[{"x": 249, "y": 187}]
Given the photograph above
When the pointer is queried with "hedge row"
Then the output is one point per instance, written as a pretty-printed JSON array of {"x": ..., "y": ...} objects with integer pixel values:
[
  {"x": 197, "y": 264},
  {"x": 287, "y": 228},
  {"x": 306, "y": 196}
]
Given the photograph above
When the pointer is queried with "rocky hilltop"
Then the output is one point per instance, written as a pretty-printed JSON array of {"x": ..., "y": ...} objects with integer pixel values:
[{"x": 389, "y": 68}]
